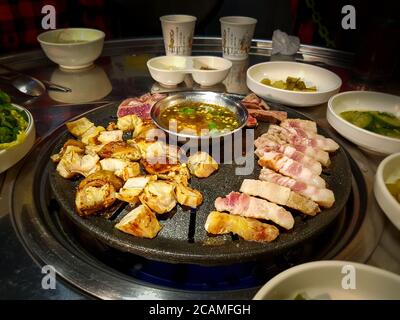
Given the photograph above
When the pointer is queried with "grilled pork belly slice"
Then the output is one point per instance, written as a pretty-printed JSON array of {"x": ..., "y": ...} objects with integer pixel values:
[
  {"x": 78, "y": 127},
  {"x": 291, "y": 152},
  {"x": 120, "y": 150},
  {"x": 291, "y": 168},
  {"x": 270, "y": 116},
  {"x": 140, "y": 222},
  {"x": 110, "y": 136},
  {"x": 159, "y": 196},
  {"x": 243, "y": 205},
  {"x": 121, "y": 168},
  {"x": 247, "y": 228},
  {"x": 306, "y": 125},
  {"x": 97, "y": 192},
  {"x": 279, "y": 195},
  {"x": 188, "y": 196},
  {"x": 324, "y": 197},
  {"x": 133, "y": 187},
  {"x": 201, "y": 164}
]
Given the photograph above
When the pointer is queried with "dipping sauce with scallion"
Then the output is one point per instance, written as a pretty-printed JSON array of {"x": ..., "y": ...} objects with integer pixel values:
[{"x": 198, "y": 118}]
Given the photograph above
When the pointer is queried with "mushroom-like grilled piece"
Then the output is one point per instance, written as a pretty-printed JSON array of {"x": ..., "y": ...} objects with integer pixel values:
[
  {"x": 73, "y": 162},
  {"x": 140, "y": 222},
  {"x": 201, "y": 164},
  {"x": 79, "y": 127},
  {"x": 97, "y": 192},
  {"x": 159, "y": 196},
  {"x": 121, "y": 168},
  {"x": 120, "y": 150},
  {"x": 188, "y": 196}
]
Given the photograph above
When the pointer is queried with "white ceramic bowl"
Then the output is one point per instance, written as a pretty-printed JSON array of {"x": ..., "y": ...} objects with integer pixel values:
[
  {"x": 387, "y": 168},
  {"x": 72, "y": 48},
  {"x": 364, "y": 100},
  {"x": 323, "y": 280},
  {"x": 9, "y": 157},
  {"x": 327, "y": 82},
  {"x": 207, "y": 78},
  {"x": 171, "y": 70}
]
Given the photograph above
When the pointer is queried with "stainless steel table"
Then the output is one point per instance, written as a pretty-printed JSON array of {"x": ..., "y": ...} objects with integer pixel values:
[{"x": 121, "y": 72}]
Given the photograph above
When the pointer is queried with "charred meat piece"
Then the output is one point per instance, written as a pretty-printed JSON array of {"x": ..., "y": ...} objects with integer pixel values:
[
  {"x": 120, "y": 150},
  {"x": 140, "y": 222},
  {"x": 252, "y": 101},
  {"x": 291, "y": 168},
  {"x": 251, "y": 122},
  {"x": 243, "y": 205},
  {"x": 324, "y": 197},
  {"x": 96, "y": 193},
  {"x": 270, "y": 116},
  {"x": 159, "y": 196},
  {"x": 247, "y": 228},
  {"x": 78, "y": 127},
  {"x": 279, "y": 195},
  {"x": 201, "y": 164}
]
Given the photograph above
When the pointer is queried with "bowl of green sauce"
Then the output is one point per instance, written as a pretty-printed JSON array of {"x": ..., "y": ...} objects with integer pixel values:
[{"x": 369, "y": 119}]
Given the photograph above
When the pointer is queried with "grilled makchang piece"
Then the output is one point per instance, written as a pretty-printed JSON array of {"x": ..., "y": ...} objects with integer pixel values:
[
  {"x": 120, "y": 150},
  {"x": 188, "y": 196},
  {"x": 324, "y": 197},
  {"x": 270, "y": 116},
  {"x": 180, "y": 175},
  {"x": 79, "y": 147},
  {"x": 159, "y": 196},
  {"x": 267, "y": 145},
  {"x": 291, "y": 168},
  {"x": 90, "y": 136},
  {"x": 140, "y": 222},
  {"x": 133, "y": 187},
  {"x": 96, "y": 192},
  {"x": 252, "y": 101},
  {"x": 74, "y": 162},
  {"x": 110, "y": 136},
  {"x": 201, "y": 164},
  {"x": 130, "y": 122},
  {"x": 247, "y": 228},
  {"x": 306, "y": 125},
  {"x": 279, "y": 195},
  {"x": 78, "y": 127},
  {"x": 243, "y": 205},
  {"x": 159, "y": 166},
  {"x": 121, "y": 168}
]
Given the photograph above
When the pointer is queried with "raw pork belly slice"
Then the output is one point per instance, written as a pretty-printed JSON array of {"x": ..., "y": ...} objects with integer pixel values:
[
  {"x": 291, "y": 168},
  {"x": 280, "y": 195},
  {"x": 243, "y": 205},
  {"x": 324, "y": 197},
  {"x": 306, "y": 125},
  {"x": 139, "y": 106}
]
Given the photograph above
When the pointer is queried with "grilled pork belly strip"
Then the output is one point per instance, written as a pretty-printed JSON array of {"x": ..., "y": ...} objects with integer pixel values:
[
  {"x": 324, "y": 197},
  {"x": 243, "y": 205},
  {"x": 291, "y": 152},
  {"x": 247, "y": 228},
  {"x": 315, "y": 153},
  {"x": 291, "y": 168},
  {"x": 280, "y": 195}
]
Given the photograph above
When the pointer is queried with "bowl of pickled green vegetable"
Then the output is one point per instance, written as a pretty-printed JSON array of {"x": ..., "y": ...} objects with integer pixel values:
[
  {"x": 369, "y": 119},
  {"x": 17, "y": 132}
]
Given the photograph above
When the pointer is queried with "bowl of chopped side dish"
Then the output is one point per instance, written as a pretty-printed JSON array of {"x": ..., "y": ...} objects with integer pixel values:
[
  {"x": 17, "y": 132},
  {"x": 292, "y": 83},
  {"x": 387, "y": 187},
  {"x": 332, "y": 280},
  {"x": 369, "y": 119}
]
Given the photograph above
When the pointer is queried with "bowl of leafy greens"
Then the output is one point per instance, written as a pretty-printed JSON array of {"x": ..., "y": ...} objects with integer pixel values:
[{"x": 17, "y": 132}]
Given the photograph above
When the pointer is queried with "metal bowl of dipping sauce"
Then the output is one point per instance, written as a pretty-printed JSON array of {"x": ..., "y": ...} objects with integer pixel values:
[{"x": 199, "y": 115}]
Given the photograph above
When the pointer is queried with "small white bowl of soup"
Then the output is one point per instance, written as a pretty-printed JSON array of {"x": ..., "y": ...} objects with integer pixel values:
[
  {"x": 72, "y": 48},
  {"x": 387, "y": 187},
  {"x": 314, "y": 86},
  {"x": 199, "y": 115},
  {"x": 368, "y": 119}
]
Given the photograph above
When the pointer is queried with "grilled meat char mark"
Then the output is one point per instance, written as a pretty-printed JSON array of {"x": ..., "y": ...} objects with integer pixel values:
[{"x": 243, "y": 205}]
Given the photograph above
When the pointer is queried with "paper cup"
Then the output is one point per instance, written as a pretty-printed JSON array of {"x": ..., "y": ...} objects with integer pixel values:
[
  {"x": 237, "y": 33},
  {"x": 178, "y": 30}
]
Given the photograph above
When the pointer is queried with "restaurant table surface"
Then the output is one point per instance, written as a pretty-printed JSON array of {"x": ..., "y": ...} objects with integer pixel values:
[{"x": 121, "y": 72}]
